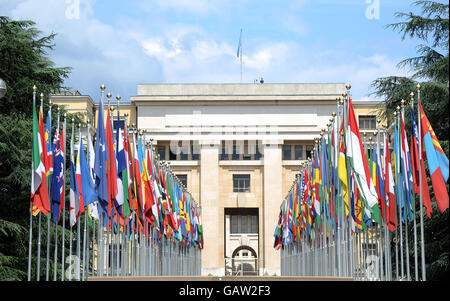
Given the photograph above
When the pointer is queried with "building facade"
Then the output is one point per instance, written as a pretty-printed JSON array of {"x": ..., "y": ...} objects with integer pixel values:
[{"x": 237, "y": 148}]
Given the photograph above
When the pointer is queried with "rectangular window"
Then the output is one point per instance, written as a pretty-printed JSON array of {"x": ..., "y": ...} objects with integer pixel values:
[
  {"x": 244, "y": 224},
  {"x": 122, "y": 124},
  {"x": 234, "y": 224},
  {"x": 287, "y": 152},
  {"x": 367, "y": 122},
  {"x": 224, "y": 153},
  {"x": 241, "y": 183},
  {"x": 254, "y": 224},
  {"x": 195, "y": 151},
  {"x": 235, "y": 155},
  {"x": 257, "y": 154},
  {"x": 298, "y": 152},
  {"x": 172, "y": 155},
  {"x": 309, "y": 149},
  {"x": 183, "y": 179},
  {"x": 246, "y": 155},
  {"x": 162, "y": 152}
]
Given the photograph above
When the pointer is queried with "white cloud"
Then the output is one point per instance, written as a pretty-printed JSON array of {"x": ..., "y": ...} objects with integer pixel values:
[{"x": 201, "y": 7}]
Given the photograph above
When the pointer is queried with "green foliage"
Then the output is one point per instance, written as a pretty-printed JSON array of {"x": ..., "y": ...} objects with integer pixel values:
[{"x": 24, "y": 63}]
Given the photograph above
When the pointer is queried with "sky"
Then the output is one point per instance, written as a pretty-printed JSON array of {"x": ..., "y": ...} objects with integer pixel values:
[{"x": 124, "y": 43}]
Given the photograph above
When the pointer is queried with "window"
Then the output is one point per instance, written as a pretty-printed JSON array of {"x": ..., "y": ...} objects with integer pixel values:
[
  {"x": 183, "y": 151},
  {"x": 257, "y": 154},
  {"x": 244, "y": 223},
  {"x": 225, "y": 151},
  {"x": 234, "y": 223},
  {"x": 172, "y": 155},
  {"x": 298, "y": 152},
  {"x": 122, "y": 124},
  {"x": 162, "y": 152},
  {"x": 246, "y": 155},
  {"x": 367, "y": 122},
  {"x": 235, "y": 155},
  {"x": 287, "y": 152},
  {"x": 309, "y": 149},
  {"x": 241, "y": 183},
  {"x": 183, "y": 179},
  {"x": 195, "y": 151}
]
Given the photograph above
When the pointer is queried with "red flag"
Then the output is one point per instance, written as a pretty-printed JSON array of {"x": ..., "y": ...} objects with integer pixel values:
[
  {"x": 389, "y": 189},
  {"x": 111, "y": 172}
]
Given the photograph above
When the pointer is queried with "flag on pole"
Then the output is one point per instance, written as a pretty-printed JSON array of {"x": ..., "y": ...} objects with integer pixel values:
[
  {"x": 111, "y": 170},
  {"x": 79, "y": 206},
  {"x": 101, "y": 156},
  {"x": 426, "y": 200},
  {"x": 389, "y": 188},
  {"x": 360, "y": 166},
  {"x": 239, "y": 49},
  {"x": 49, "y": 147},
  {"x": 343, "y": 169},
  {"x": 122, "y": 181},
  {"x": 57, "y": 179},
  {"x": 39, "y": 189},
  {"x": 87, "y": 184},
  {"x": 438, "y": 163},
  {"x": 73, "y": 196},
  {"x": 406, "y": 169}
]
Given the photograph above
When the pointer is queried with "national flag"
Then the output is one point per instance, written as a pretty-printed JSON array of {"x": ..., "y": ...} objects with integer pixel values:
[
  {"x": 73, "y": 196},
  {"x": 343, "y": 169},
  {"x": 389, "y": 189},
  {"x": 48, "y": 142},
  {"x": 360, "y": 166},
  {"x": 57, "y": 179},
  {"x": 79, "y": 206},
  {"x": 87, "y": 183},
  {"x": 93, "y": 207},
  {"x": 406, "y": 169},
  {"x": 438, "y": 163},
  {"x": 124, "y": 172},
  {"x": 426, "y": 200},
  {"x": 100, "y": 167},
  {"x": 39, "y": 189},
  {"x": 239, "y": 49},
  {"x": 121, "y": 166},
  {"x": 111, "y": 170}
]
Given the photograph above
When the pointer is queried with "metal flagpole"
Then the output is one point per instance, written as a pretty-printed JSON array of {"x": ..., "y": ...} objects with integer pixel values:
[
  {"x": 49, "y": 190},
  {"x": 64, "y": 201},
  {"x": 396, "y": 214},
  {"x": 401, "y": 194},
  {"x": 380, "y": 225},
  {"x": 422, "y": 243},
  {"x": 56, "y": 224},
  {"x": 30, "y": 238},
  {"x": 387, "y": 239},
  {"x": 416, "y": 265},
  {"x": 38, "y": 271},
  {"x": 406, "y": 176},
  {"x": 78, "y": 222}
]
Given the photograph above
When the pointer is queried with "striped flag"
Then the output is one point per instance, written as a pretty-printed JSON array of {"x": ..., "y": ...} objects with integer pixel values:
[{"x": 360, "y": 166}]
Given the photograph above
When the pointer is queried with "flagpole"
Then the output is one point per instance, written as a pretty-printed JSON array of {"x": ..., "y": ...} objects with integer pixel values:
[
  {"x": 406, "y": 176},
  {"x": 30, "y": 238},
  {"x": 56, "y": 224},
  {"x": 49, "y": 189},
  {"x": 348, "y": 87},
  {"x": 422, "y": 245},
  {"x": 64, "y": 201},
  {"x": 396, "y": 202},
  {"x": 400, "y": 187},
  {"x": 38, "y": 272},
  {"x": 416, "y": 265},
  {"x": 386, "y": 230},
  {"x": 101, "y": 228}
]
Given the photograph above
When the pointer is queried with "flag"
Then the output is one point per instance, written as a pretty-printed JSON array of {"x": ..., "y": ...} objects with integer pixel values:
[
  {"x": 389, "y": 188},
  {"x": 79, "y": 206},
  {"x": 101, "y": 156},
  {"x": 73, "y": 196},
  {"x": 239, "y": 49},
  {"x": 343, "y": 169},
  {"x": 406, "y": 169},
  {"x": 121, "y": 166},
  {"x": 360, "y": 166},
  {"x": 93, "y": 207},
  {"x": 111, "y": 170},
  {"x": 48, "y": 142},
  {"x": 415, "y": 168},
  {"x": 39, "y": 189},
  {"x": 57, "y": 179},
  {"x": 437, "y": 161},
  {"x": 87, "y": 184}
]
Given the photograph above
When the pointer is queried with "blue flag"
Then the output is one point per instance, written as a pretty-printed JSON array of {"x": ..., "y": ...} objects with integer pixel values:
[
  {"x": 87, "y": 185},
  {"x": 57, "y": 179},
  {"x": 101, "y": 156}
]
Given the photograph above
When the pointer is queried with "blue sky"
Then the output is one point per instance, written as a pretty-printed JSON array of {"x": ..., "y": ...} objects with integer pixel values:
[{"x": 124, "y": 43}]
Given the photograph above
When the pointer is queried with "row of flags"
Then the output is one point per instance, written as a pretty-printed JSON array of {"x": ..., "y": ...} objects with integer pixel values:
[
  {"x": 119, "y": 182},
  {"x": 346, "y": 182}
]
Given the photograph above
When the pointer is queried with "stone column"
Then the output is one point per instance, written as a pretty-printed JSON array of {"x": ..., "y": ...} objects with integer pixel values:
[
  {"x": 212, "y": 212},
  {"x": 271, "y": 204}
]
